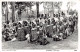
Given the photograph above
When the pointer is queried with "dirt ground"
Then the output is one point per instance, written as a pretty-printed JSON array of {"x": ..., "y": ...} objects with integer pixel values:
[{"x": 71, "y": 43}]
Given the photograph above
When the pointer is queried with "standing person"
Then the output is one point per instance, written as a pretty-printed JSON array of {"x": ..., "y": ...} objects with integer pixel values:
[
  {"x": 48, "y": 21},
  {"x": 37, "y": 21},
  {"x": 71, "y": 25},
  {"x": 61, "y": 30},
  {"x": 75, "y": 20},
  {"x": 54, "y": 30},
  {"x": 53, "y": 21}
]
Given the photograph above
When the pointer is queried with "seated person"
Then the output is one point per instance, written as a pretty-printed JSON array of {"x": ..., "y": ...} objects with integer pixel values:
[
  {"x": 33, "y": 25},
  {"x": 21, "y": 36},
  {"x": 6, "y": 35},
  {"x": 59, "y": 34},
  {"x": 41, "y": 39}
]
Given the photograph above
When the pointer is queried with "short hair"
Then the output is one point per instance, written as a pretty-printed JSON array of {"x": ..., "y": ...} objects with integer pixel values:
[
  {"x": 14, "y": 24},
  {"x": 4, "y": 26},
  {"x": 19, "y": 24},
  {"x": 25, "y": 23}
]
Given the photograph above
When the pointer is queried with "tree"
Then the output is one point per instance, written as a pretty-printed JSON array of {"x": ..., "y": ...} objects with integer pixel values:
[
  {"x": 48, "y": 6},
  {"x": 57, "y": 5},
  {"x": 29, "y": 4},
  {"x": 21, "y": 6},
  {"x": 37, "y": 7},
  {"x": 5, "y": 4},
  {"x": 53, "y": 8},
  {"x": 18, "y": 5},
  {"x": 13, "y": 11}
]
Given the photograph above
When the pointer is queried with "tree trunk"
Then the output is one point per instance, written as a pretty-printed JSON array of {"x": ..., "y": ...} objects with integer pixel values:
[
  {"x": 6, "y": 17},
  {"x": 53, "y": 9},
  {"x": 37, "y": 7},
  {"x": 44, "y": 9},
  {"x": 13, "y": 9},
  {"x": 27, "y": 10},
  {"x": 48, "y": 13},
  {"x": 30, "y": 11}
]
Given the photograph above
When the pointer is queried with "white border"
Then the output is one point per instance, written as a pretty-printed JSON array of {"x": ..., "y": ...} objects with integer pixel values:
[{"x": 78, "y": 7}]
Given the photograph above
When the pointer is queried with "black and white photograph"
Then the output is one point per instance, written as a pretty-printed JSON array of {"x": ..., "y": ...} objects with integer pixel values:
[{"x": 39, "y": 25}]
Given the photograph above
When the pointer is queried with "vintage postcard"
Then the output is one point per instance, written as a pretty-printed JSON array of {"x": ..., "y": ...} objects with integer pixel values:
[{"x": 40, "y": 25}]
